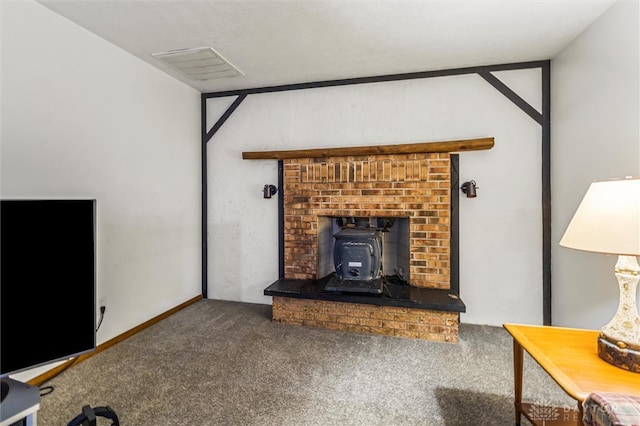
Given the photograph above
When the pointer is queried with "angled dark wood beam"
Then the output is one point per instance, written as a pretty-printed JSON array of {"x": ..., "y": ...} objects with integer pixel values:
[
  {"x": 512, "y": 96},
  {"x": 224, "y": 117}
]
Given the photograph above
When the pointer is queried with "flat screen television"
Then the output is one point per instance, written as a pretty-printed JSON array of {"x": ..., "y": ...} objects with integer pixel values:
[{"x": 47, "y": 281}]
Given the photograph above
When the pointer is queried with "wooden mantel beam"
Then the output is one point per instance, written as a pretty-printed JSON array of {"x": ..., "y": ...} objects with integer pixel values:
[{"x": 410, "y": 148}]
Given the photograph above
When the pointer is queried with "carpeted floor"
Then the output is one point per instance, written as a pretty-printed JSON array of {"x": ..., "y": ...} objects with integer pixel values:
[{"x": 226, "y": 363}]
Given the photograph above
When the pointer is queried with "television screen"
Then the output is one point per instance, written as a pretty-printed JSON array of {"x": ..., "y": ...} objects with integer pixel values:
[{"x": 47, "y": 281}]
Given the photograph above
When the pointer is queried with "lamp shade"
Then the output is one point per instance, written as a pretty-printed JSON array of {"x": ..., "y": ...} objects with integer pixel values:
[{"x": 607, "y": 219}]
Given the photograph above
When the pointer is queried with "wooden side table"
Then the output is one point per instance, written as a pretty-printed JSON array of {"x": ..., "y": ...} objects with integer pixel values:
[{"x": 570, "y": 357}]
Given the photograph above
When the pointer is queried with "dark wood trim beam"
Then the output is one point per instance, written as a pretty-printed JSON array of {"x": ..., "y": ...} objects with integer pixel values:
[
  {"x": 280, "y": 219},
  {"x": 411, "y": 148},
  {"x": 485, "y": 71},
  {"x": 546, "y": 194},
  {"x": 454, "y": 238},
  {"x": 203, "y": 194},
  {"x": 375, "y": 79}
]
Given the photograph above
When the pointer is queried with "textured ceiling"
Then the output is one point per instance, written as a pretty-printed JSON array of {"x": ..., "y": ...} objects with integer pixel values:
[{"x": 284, "y": 42}]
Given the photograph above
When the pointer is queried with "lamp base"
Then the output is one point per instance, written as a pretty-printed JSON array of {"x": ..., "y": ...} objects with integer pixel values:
[{"x": 625, "y": 358}]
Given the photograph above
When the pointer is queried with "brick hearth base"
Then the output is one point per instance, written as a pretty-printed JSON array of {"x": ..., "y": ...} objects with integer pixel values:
[{"x": 431, "y": 325}]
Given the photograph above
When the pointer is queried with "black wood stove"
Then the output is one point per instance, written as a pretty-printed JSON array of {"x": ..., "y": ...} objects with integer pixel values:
[{"x": 357, "y": 257}]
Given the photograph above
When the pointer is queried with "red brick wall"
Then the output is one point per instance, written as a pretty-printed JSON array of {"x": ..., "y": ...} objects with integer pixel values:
[
  {"x": 413, "y": 186},
  {"x": 388, "y": 320},
  {"x": 416, "y": 186}
]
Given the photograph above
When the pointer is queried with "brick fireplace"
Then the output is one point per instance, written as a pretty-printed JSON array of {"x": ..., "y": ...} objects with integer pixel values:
[
  {"x": 416, "y": 186},
  {"x": 408, "y": 182}
]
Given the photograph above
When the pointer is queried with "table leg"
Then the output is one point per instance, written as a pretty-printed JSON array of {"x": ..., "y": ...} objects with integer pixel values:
[
  {"x": 580, "y": 413},
  {"x": 518, "y": 363}
]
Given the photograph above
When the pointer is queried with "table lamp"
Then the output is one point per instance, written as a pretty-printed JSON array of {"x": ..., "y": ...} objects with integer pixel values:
[{"x": 608, "y": 221}]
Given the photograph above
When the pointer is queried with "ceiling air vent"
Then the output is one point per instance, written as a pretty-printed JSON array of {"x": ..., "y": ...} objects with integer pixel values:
[{"x": 200, "y": 63}]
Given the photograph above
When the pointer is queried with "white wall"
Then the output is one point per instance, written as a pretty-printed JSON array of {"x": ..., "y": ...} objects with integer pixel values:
[
  {"x": 501, "y": 229},
  {"x": 595, "y": 135},
  {"x": 82, "y": 118}
]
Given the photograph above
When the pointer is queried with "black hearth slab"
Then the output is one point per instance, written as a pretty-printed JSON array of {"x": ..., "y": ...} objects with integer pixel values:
[{"x": 404, "y": 296}]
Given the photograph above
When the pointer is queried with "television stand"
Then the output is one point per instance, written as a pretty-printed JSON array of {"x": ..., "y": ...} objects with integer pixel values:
[{"x": 20, "y": 403}]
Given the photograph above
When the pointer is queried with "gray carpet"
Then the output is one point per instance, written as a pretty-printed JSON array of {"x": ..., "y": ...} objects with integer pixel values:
[{"x": 226, "y": 363}]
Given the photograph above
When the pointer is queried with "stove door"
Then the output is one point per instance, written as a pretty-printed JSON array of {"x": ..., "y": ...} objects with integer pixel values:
[{"x": 355, "y": 261}]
